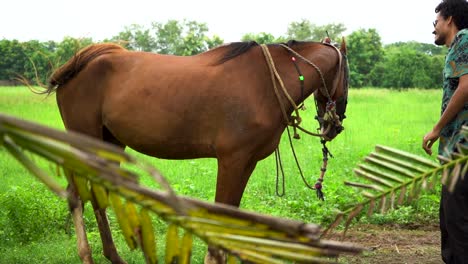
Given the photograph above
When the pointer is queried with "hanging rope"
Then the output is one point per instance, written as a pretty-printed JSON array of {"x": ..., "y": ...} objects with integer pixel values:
[{"x": 279, "y": 169}]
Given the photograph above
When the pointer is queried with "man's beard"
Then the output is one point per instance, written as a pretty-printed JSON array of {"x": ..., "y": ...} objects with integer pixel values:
[{"x": 440, "y": 40}]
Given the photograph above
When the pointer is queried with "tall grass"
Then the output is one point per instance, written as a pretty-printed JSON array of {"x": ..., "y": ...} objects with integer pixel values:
[{"x": 395, "y": 118}]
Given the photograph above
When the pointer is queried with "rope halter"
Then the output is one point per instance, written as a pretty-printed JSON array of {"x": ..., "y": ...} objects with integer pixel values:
[{"x": 295, "y": 120}]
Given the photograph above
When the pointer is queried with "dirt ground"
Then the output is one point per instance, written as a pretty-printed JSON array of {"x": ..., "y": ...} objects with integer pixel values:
[{"x": 394, "y": 244}]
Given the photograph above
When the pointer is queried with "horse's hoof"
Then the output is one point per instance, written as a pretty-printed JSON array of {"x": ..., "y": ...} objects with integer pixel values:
[
  {"x": 119, "y": 261},
  {"x": 210, "y": 259},
  {"x": 87, "y": 261}
]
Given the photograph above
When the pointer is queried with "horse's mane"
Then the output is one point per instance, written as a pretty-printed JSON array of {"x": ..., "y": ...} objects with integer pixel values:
[{"x": 235, "y": 49}]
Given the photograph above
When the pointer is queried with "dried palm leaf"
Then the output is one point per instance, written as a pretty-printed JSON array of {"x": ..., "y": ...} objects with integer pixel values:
[
  {"x": 95, "y": 166},
  {"x": 387, "y": 171}
]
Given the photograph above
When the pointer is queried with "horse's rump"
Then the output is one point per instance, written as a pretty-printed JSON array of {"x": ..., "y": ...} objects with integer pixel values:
[{"x": 79, "y": 61}]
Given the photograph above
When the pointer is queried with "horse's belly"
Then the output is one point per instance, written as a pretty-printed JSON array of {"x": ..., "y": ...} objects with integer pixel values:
[
  {"x": 173, "y": 150},
  {"x": 163, "y": 140}
]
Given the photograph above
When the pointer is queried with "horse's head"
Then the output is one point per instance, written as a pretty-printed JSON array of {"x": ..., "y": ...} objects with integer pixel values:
[{"x": 331, "y": 104}]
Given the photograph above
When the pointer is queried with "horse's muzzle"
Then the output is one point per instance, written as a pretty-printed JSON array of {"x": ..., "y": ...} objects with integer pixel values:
[{"x": 332, "y": 132}]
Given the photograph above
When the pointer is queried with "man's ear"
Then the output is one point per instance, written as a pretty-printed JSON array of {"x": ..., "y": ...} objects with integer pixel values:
[{"x": 449, "y": 20}]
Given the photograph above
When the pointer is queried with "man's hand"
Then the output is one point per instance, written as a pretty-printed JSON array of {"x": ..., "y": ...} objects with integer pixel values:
[
  {"x": 429, "y": 139},
  {"x": 454, "y": 106}
]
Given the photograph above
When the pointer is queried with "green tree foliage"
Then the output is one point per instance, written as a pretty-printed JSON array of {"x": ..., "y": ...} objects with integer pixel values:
[
  {"x": 38, "y": 64},
  {"x": 364, "y": 52},
  {"x": 428, "y": 49},
  {"x": 123, "y": 38},
  {"x": 194, "y": 39},
  {"x": 25, "y": 60},
  {"x": 183, "y": 38},
  {"x": 305, "y": 30},
  {"x": 34, "y": 61},
  {"x": 261, "y": 38},
  {"x": 169, "y": 36},
  {"x": 301, "y": 30},
  {"x": 173, "y": 37},
  {"x": 404, "y": 68},
  {"x": 67, "y": 48},
  {"x": 136, "y": 37},
  {"x": 334, "y": 31},
  {"x": 214, "y": 41},
  {"x": 408, "y": 65},
  {"x": 398, "y": 65},
  {"x": 12, "y": 59}
]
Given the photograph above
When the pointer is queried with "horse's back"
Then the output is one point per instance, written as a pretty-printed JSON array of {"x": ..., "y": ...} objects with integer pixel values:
[
  {"x": 157, "y": 104},
  {"x": 162, "y": 105}
]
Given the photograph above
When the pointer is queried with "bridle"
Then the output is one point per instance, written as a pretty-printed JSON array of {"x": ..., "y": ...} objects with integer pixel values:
[
  {"x": 295, "y": 120},
  {"x": 330, "y": 116}
]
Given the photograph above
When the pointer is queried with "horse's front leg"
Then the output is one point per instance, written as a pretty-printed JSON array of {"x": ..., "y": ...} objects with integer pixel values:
[{"x": 233, "y": 174}]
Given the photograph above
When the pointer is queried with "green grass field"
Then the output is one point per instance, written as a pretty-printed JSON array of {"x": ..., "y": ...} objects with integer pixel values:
[{"x": 33, "y": 223}]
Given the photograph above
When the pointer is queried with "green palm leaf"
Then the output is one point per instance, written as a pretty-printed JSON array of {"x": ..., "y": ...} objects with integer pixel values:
[
  {"x": 391, "y": 176},
  {"x": 112, "y": 177}
]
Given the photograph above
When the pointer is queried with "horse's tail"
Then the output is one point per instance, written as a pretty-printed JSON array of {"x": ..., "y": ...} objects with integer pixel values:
[{"x": 73, "y": 66}]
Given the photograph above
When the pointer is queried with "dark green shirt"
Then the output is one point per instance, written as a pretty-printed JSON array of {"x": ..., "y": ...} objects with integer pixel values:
[{"x": 456, "y": 65}]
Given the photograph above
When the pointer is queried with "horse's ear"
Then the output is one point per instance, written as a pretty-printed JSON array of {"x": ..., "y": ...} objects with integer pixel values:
[{"x": 343, "y": 48}]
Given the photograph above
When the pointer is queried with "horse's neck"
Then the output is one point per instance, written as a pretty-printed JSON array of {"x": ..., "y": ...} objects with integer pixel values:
[
  {"x": 283, "y": 79},
  {"x": 290, "y": 74},
  {"x": 322, "y": 69}
]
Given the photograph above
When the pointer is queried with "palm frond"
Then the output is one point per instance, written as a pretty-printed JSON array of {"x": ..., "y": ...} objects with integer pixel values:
[
  {"x": 391, "y": 176},
  {"x": 111, "y": 176}
]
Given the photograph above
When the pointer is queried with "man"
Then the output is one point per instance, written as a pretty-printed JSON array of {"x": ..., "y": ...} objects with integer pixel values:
[{"x": 451, "y": 30}]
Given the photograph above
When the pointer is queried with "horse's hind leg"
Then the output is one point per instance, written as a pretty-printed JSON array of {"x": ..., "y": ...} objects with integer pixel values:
[
  {"x": 109, "y": 250},
  {"x": 84, "y": 251},
  {"x": 76, "y": 210}
]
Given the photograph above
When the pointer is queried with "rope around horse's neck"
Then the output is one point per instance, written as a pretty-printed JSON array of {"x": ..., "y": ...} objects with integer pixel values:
[
  {"x": 274, "y": 74},
  {"x": 293, "y": 121},
  {"x": 324, "y": 89}
]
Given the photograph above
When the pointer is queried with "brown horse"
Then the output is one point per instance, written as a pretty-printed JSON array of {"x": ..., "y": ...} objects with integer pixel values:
[{"x": 231, "y": 103}]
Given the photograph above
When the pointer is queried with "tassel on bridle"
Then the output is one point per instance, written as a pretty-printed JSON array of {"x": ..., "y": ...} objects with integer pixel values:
[{"x": 323, "y": 169}]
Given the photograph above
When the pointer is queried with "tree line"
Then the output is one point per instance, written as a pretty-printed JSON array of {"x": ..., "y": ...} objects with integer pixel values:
[{"x": 397, "y": 65}]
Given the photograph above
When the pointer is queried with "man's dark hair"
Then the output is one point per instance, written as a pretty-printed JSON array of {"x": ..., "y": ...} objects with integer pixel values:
[{"x": 457, "y": 9}]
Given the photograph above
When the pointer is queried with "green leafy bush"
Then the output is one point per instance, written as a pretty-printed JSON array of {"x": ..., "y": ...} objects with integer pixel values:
[{"x": 30, "y": 213}]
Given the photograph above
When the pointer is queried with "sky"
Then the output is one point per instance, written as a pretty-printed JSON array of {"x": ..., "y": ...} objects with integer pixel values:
[{"x": 43, "y": 20}]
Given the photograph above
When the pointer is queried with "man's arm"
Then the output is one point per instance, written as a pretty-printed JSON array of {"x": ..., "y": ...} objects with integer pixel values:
[{"x": 455, "y": 105}]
